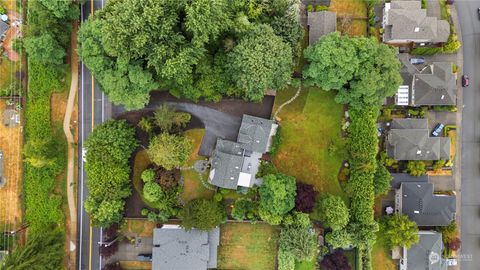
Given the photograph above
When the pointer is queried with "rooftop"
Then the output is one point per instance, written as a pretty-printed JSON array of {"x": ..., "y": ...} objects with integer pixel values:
[
  {"x": 320, "y": 23},
  {"x": 427, "y": 253},
  {"x": 424, "y": 207},
  {"x": 177, "y": 249}
]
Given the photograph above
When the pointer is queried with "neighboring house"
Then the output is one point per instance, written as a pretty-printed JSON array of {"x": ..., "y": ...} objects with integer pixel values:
[
  {"x": 235, "y": 164},
  {"x": 405, "y": 23},
  {"x": 420, "y": 204},
  {"x": 435, "y": 84},
  {"x": 177, "y": 249},
  {"x": 3, "y": 29},
  {"x": 426, "y": 254},
  {"x": 409, "y": 139},
  {"x": 319, "y": 24}
]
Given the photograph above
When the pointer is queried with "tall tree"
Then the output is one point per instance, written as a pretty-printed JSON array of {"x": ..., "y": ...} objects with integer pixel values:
[
  {"x": 277, "y": 197},
  {"x": 44, "y": 49},
  {"x": 400, "y": 231},
  {"x": 363, "y": 70},
  {"x": 299, "y": 240},
  {"x": 169, "y": 150},
  {"x": 43, "y": 251},
  {"x": 333, "y": 212},
  {"x": 382, "y": 179},
  {"x": 260, "y": 61}
]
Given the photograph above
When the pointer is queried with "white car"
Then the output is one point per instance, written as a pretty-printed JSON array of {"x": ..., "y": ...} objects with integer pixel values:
[{"x": 84, "y": 154}]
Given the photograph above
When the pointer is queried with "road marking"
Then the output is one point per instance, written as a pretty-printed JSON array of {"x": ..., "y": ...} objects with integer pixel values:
[{"x": 90, "y": 256}]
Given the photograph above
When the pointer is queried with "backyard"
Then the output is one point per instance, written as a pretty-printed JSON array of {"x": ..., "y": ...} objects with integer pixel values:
[
  {"x": 351, "y": 16},
  {"x": 381, "y": 255},
  {"x": 248, "y": 246},
  {"x": 312, "y": 149}
]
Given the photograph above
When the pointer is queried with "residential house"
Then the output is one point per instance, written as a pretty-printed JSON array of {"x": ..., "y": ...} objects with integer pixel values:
[
  {"x": 426, "y": 254},
  {"x": 420, "y": 204},
  {"x": 409, "y": 139},
  {"x": 433, "y": 85},
  {"x": 319, "y": 24},
  {"x": 399, "y": 178},
  {"x": 405, "y": 23},
  {"x": 177, "y": 249},
  {"x": 235, "y": 164}
]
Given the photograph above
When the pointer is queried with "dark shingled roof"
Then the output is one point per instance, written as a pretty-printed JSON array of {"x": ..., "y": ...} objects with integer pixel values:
[
  {"x": 254, "y": 133},
  {"x": 320, "y": 23},
  {"x": 424, "y": 207},
  {"x": 427, "y": 253},
  {"x": 409, "y": 139},
  {"x": 177, "y": 249},
  {"x": 399, "y": 178},
  {"x": 3, "y": 27},
  {"x": 227, "y": 162}
]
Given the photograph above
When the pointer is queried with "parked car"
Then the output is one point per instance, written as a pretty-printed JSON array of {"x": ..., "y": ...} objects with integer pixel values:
[
  {"x": 144, "y": 257},
  {"x": 465, "y": 81},
  {"x": 438, "y": 130},
  {"x": 417, "y": 60}
]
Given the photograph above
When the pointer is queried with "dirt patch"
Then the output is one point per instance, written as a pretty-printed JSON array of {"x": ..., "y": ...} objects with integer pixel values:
[
  {"x": 11, "y": 141},
  {"x": 142, "y": 228}
]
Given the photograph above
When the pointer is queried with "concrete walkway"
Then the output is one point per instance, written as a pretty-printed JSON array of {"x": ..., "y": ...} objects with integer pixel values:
[{"x": 71, "y": 147}]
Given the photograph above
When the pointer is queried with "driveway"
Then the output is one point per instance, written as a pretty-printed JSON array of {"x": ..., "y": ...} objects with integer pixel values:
[
  {"x": 446, "y": 118},
  {"x": 129, "y": 252},
  {"x": 442, "y": 183},
  {"x": 470, "y": 190}
]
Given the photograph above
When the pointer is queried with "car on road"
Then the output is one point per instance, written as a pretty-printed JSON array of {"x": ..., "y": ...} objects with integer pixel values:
[
  {"x": 144, "y": 257},
  {"x": 465, "y": 81},
  {"x": 438, "y": 130},
  {"x": 417, "y": 60}
]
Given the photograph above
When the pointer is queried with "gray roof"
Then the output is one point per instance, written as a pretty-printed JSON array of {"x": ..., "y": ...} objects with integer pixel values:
[
  {"x": 320, "y": 23},
  {"x": 427, "y": 253},
  {"x": 409, "y": 139},
  {"x": 177, "y": 249},
  {"x": 404, "y": 17},
  {"x": 226, "y": 164},
  {"x": 3, "y": 27},
  {"x": 254, "y": 133},
  {"x": 399, "y": 178},
  {"x": 425, "y": 208}
]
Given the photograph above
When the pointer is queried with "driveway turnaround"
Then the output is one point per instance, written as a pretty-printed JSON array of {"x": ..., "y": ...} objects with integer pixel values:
[{"x": 470, "y": 191}]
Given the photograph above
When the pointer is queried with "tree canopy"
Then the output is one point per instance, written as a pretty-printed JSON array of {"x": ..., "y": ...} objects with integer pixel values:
[
  {"x": 400, "y": 231},
  {"x": 277, "y": 197},
  {"x": 169, "y": 150},
  {"x": 333, "y": 212},
  {"x": 299, "y": 239},
  {"x": 190, "y": 48},
  {"x": 203, "y": 214},
  {"x": 109, "y": 147},
  {"x": 363, "y": 70}
]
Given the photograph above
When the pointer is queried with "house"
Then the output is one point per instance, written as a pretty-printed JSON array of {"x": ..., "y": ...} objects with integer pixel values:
[
  {"x": 434, "y": 85},
  {"x": 405, "y": 23},
  {"x": 399, "y": 178},
  {"x": 420, "y": 204},
  {"x": 235, "y": 164},
  {"x": 409, "y": 139},
  {"x": 426, "y": 254},
  {"x": 177, "y": 249},
  {"x": 3, "y": 29},
  {"x": 319, "y": 24}
]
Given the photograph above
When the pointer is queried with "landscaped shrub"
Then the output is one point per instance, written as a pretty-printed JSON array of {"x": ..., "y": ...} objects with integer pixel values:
[
  {"x": 286, "y": 260},
  {"x": 266, "y": 168},
  {"x": 202, "y": 214},
  {"x": 332, "y": 212},
  {"x": 310, "y": 8},
  {"x": 416, "y": 167},
  {"x": 335, "y": 261},
  {"x": 305, "y": 198},
  {"x": 169, "y": 150},
  {"x": 276, "y": 142},
  {"x": 339, "y": 239},
  {"x": 382, "y": 179},
  {"x": 244, "y": 209},
  {"x": 277, "y": 197},
  {"x": 321, "y": 8},
  {"x": 299, "y": 238}
]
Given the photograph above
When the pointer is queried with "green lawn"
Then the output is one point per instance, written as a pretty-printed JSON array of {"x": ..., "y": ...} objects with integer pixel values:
[
  {"x": 381, "y": 255},
  {"x": 193, "y": 187},
  {"x": 312, "y": 149},
  {"x": 248, "y": 246},
  {"x": 305, "y": 265}
]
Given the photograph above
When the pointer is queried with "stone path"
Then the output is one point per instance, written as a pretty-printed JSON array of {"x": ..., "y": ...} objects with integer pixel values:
[{"x": 288, "y": 102}]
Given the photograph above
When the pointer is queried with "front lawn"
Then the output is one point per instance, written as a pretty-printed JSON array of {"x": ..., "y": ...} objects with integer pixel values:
[
  {"x": 381, "y": 255},
  {"x": 193, "y": 187},
  {"x": 312, "y": 149},
  {"x": 248, "y": 246}
]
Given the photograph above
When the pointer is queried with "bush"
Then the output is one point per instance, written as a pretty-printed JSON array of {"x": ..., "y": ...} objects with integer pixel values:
[
  {"x": 426, "y": 50},
  {"x": 286, "y": 261},
  {"x": 299, "y": 239},
  {"x": 321, "y": 8},
  {"x": 333, "y": 212},
  {"x": 266, "y": 168},
  {"x": 202, "y": 214},
  {"x": 169, "y": 151},
  {"x": 335, "y": 261},
  {"x": 244, "y": 208},
  {"x": 416, "y": 167},
  {"x": 276, "y": 143},
  {"x": 305, "y": 198},
  {"x": 382, "y": 179},
  {"x": 148, "y": 175},
  {"x": 310, "y": 8},
  {"x": 438, "y": 164},
  {"x": 277, "y": 197}
]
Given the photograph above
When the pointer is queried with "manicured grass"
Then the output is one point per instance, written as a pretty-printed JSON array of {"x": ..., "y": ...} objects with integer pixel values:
[
  {"x": 141, "y": 163},
  {"x": 312, "y": 149},
  {"x": 193, "y": 187},
  {"x": 248, "y": 246},
  {"x": 142, "y": 228},
  {"x": 305, "y": 265},
  {"x": 381, "y": 255}
]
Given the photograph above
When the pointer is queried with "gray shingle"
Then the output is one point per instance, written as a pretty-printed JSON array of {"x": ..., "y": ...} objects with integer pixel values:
[
  {"x": 3, "y": 27},
  {"x": 425, "y": 208},
  {"x": 320, "y": 23},
  {"x": 427, "y": 253},
  {"x": 177, "y": 249},
  {"x": 399, "y": 178}
]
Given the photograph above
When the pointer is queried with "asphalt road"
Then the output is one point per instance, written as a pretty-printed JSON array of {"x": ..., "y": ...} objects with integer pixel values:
[
  {"x": 93, "y": 110},
  {"x": 470, "y": 190}
]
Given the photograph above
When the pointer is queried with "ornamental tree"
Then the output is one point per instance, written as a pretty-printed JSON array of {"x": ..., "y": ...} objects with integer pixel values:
[
  {"x": 382, "y": 179},
  {"x": 333, "y": 212},
  {"x": 400, "y": 231},
  {"x": 202, "y": 214},
  {"x": 305, "y": 199},
  {"x": 169, "y": 150},
  {"x": 277, "y": 197}
]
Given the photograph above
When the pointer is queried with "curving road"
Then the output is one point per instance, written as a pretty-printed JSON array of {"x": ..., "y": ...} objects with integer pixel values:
[{"x": 470, "y": 190}]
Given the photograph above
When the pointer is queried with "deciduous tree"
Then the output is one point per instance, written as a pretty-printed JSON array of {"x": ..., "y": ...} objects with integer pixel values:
[
  {"x": 202, "y": 214},
  {"x": 400, "y": 231},
  {"x": 277, "y": 197},
  {"x": 169, "y": 150},
  {"x": 333, "y": 212}
]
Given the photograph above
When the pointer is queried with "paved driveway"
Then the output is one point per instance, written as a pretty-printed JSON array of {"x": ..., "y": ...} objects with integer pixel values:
[{"x": 470, "y": 191}]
